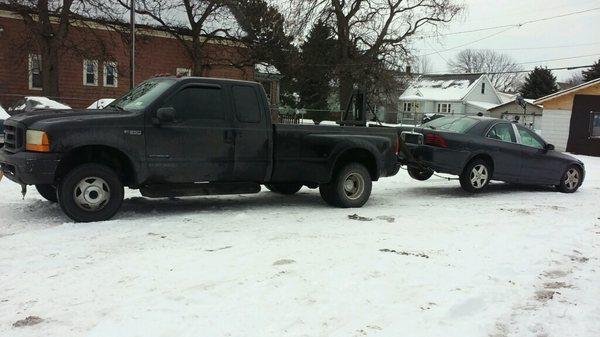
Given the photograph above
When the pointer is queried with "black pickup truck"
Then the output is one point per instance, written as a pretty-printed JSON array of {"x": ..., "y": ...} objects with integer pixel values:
[{"x": 188, "y": 136}]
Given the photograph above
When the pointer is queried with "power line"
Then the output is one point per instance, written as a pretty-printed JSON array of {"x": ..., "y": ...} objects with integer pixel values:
[
  {"x": 535, "y": 48},
  {"x": 517, "y": 71},
  {"x": 559, "y": 59}
]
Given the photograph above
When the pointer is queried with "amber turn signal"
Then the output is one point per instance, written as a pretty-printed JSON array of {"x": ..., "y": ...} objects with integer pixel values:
[{"x": 37, "y": 141}]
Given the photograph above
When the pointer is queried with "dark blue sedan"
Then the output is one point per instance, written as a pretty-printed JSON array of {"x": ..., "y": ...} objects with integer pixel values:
[{"x": 479, "y": 149}]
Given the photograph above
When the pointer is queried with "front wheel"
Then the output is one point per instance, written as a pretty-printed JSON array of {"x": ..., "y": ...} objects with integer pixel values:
[
  {"x": 420, "y": 174},
  {"x": 571, "y": 180},
  {"x": 476, "y": 176},
  {"x": 48, "y": 192},
  {"x": 91, "y": 192},
  {"x": 350, "y": 187},
  {"x": 287, "y": 189}
]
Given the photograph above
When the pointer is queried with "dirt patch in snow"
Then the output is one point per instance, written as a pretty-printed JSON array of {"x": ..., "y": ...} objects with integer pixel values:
[
  {"x": 385, "y": 250},
  {"x": 359, "y": 218},
  {"x": 283, "y": 262},
  {"x": 28, "y": 321},
  {"x": 557, "y": 285}
]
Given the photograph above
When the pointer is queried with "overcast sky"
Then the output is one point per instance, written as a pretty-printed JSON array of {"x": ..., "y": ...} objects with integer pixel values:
[{"x": 565, "y": 37}]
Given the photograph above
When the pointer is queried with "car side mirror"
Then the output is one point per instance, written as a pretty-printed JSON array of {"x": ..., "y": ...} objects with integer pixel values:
[
  {"x": 165, "y": 115},
  {"x": 549, "y": 147}
]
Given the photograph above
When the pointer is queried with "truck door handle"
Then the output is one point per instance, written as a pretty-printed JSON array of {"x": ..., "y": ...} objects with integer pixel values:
[{"x": 229, "y": 136}]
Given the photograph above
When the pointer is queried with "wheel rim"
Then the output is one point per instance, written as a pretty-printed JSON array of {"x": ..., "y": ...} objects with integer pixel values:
[
  {"x": 572, "y": 179},
  {"x": 91, "y": 194},
  {"x": 354, "y": 186},
  {"x": 479, "y": 176}
]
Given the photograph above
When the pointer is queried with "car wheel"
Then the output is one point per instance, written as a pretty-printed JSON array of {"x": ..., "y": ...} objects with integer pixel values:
[
  {"x": 476, "y": 176},
  {"x": 91, "y": 192},
  {"x": 287, "y": 189},
  {"x": 350, "y": 187},
  {"x": 571, "y": 180},
  {"x": 420, "y": 174},
  {"x": 48, "y": 192}
]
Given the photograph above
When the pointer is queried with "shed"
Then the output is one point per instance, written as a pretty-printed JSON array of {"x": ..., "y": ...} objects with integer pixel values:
[{"x": 531, "y": 117}]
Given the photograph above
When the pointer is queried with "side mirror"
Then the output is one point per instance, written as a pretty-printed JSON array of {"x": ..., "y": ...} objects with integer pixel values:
[
  {"x": 165, "y": 115},
  {"x": 549, "y": 147}
]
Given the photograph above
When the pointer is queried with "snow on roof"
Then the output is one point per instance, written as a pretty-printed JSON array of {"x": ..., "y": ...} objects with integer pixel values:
[
  {"x": 448, "y": 87},
  {"x": 265, "y": 68},
  {"x": 101, "y": 103},
  {"x": 506, "y": 97},
  {"x": 483, "y": 105},
  {"x": 39, "y": 102},
  {"x": 3, "y": 113}
]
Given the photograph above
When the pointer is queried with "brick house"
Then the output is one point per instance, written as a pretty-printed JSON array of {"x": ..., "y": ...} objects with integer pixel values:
[{"x": 98, "y": 67}]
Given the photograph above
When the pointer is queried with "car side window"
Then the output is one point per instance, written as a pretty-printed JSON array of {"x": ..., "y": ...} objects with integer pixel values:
[
  {"x": 247, "y": 108},
  {"x": 197, "y": 103},
  {"x": 528, "y": 138},
  {"x": 503, "y": 132}
]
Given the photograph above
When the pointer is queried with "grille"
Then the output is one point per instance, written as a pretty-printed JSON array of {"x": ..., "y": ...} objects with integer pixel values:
[{"x": 13, "y": 138}]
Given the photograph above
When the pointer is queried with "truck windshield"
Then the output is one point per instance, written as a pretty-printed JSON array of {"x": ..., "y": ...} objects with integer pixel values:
[
  {"x": 460, "y": 124},
  {"x": 142, "y": 95}
]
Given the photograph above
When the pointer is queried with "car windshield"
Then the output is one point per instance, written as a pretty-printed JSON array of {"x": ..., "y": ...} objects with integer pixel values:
[
  {"x": 458, "y": 124},
  {"x": 142, "y": 95}
]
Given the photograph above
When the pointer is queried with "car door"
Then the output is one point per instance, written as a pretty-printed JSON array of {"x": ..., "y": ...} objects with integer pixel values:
[
  {"x": 537, "y": 167},
  {"x": 198, "y": 145},
  {"x": 252, "y": 134},
  {"x": 505, "y": 151}
]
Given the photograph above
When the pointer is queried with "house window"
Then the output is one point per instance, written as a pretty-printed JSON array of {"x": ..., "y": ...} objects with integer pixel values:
[
  {"x": 483, "y": 88},
  {"x": 407, "y": 107},
  {"x": 181, "y": 72},
  {"x": 110, "y": 74},
  {"x": 443, "y": 108},
  {"x": 595, "y": 124},
  {"x": 35, "y": 72},
  {"x": 90, "y": 72}
]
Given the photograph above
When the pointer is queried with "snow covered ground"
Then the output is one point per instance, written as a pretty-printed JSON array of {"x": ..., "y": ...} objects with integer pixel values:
[{"x": 421, "y": 259}]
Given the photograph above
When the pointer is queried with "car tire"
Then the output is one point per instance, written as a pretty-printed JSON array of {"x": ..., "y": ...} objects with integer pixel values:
[
  {"x": 570, "y": 180},
  {"x": 287, "y": 189},
  {"x": 420, "y": 174},
  {"x": 476, "y": 176},
  {"x": 91, "y": 192},
  {"x": 48, "y": 192},
  {"x": 351, "y": 187}
]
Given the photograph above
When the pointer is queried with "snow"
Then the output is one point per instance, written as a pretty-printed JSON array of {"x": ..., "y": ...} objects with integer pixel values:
[
  {"x": 101, "y": 103},
  {"x": 265, "y": 68},
  {"x": 482, "y": 105},
  {"x": 3, "y": 114},
  {"x": 438, "y": 89},
  {"x": 39, "y": 102},
  {"x": 429, "y": 260}
]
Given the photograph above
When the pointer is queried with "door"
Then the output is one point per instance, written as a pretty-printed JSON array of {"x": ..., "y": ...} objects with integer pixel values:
[
  {"x": 537, "y": 167},
  {"x": 505, "y": 151},
  {"x": 252, "y": 134},
  {"x": 198, "y": 145}
]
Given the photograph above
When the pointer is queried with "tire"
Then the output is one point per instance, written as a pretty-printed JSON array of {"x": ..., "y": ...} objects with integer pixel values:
[
  {"x": 419, "y": 174},
  {"x": 571, "y": 179},
  {"x": 90, "y": 192},
  {"x": 350, "y": 187},
  {"x": 476, "y": 176},
  {"x": 287, "y": 189},
  {"x": 48, "y": 192}
]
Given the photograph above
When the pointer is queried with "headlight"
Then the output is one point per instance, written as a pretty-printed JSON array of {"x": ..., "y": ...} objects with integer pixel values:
[{"x": 37, "y": 141}]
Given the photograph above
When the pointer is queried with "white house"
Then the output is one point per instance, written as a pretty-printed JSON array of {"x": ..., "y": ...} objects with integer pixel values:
[{"x": 464, "y": 94}]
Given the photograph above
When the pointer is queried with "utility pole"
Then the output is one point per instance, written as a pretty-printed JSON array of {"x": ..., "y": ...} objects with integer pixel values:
[{"x": 132, "y": 53}]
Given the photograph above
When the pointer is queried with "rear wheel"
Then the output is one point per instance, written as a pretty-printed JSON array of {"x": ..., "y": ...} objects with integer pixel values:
[
  {"x": 350, "y": 187},
  {"x": 287, "y": 189},
  {"x": 571, "y": 180},
  {"x": 476, "y": 176},
  {"x": 91, "y": 192},
  {"x": 420, "y": 174},
  {"x": 48, "y": 192}
]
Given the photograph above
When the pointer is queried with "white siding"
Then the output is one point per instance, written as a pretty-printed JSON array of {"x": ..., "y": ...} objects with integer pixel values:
[
  {"x": 488, "y": 96},
  {"x": 473, "y": 110},
  {"x": 555, "y": 127}
]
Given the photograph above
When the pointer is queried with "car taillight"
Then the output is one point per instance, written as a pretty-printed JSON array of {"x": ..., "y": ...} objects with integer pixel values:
[
  {"x": 397, "y": 146},
  {"x": 435, "y": 140}
]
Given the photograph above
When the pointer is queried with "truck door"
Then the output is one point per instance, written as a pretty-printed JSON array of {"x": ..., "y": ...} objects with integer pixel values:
[
  {"x": 198, "y": 145},
  {"x": 252, "y": 134}
]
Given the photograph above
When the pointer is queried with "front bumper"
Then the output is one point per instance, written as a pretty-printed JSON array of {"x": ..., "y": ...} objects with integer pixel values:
[{"x": 29, "y": 168}]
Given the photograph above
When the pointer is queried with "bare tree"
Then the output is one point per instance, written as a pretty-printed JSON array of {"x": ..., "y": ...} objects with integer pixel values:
[
  {"x": 423, "y": 65},
  {"x": 373, "y": 32},
  {"x": 501, "y": 68},
  {"x": 576, "y": 78}
]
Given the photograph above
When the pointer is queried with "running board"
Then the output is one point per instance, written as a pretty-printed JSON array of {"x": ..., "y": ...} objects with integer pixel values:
[{"x": 189, "y": 190}]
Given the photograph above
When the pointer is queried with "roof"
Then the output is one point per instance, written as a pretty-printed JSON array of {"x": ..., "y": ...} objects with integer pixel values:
[
  {"x": 444, "y": 87},
  {"x": 483, "y": 105},
  {"x": 528, "y": 101},
  {"x": 567, "y": 91}
]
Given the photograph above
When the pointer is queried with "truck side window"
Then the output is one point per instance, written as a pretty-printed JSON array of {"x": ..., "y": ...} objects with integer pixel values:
[
  {"x": 246, "y": 103},
  {"x": 197, "y": 103}
]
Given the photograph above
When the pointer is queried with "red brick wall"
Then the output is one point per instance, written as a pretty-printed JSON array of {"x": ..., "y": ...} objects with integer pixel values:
[{"x": 154, "y": 55}]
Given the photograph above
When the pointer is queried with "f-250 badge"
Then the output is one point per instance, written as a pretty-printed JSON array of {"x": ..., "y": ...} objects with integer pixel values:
[{"x": 133, "y": 132}]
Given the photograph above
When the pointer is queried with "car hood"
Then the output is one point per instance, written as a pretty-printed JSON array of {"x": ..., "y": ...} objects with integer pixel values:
[
  {"x": 561, "y": 155},
  {"x": 57, "y": 116}
]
